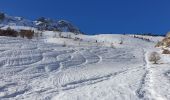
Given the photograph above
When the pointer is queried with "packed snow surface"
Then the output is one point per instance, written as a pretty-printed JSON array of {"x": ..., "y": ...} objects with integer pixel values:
[{"x": 101, "y": 67}]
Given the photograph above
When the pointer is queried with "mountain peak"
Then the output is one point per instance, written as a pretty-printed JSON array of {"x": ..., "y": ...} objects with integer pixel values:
[
  {"x": 41, "y": 23},
  {"x": 54, "y": 25}
]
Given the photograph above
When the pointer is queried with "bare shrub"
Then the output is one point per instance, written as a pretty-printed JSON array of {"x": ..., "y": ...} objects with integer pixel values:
[
  {"x": 9, "y": 32},
  {"x": 142, "y": 38},
  {"x": 60, "y": 35},
  {"x": 64, "y": 44},
  {"x": 154, "y": 57},
  {"x": 77, "y": 39},
  {"x": 121, "y": 41},
  {"x": 168, "y": 34},
  {"x": 165, "y": 51},
  {"x": 79, "y": 43},
  {"x": 69, "y": 36},
  {"x": 165, "y": 42},
  {"x": 159, "y": 44},
  {"x": 112, "y": 45},
  {"x": 22, "y": 33},
  {"x": 26, "y": 33},
  {"x": 54, "y": 36}
]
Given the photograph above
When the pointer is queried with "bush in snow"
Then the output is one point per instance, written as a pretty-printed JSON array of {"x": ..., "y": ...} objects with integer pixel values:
[
  {"x": 159, "y": 44},
  {"x": 64, "y": 44},
  {"x": 26, "y": 33},
  {"x": 168, "y": 34},
  {"x": 112, "y": 45},
  {"x": 9, "y": 32},
  {"x": 54, "y": 36},
  {"x": 121, "y": 41},
  {"x": 165, "y": 42},
  {"x": 154, "y": 57},
  {"x": 77, "y": 39},
  {"x": 60, "y": 35},
  {"x": 165, "y": 51},
  {"x": 69, "y": 36}
]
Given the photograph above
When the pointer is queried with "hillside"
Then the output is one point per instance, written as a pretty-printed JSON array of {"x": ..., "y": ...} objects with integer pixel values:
[{"x": 80, "y": 67}]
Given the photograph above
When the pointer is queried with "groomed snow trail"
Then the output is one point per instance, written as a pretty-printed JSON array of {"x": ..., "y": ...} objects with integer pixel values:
[{"x": 37, "y": 70}]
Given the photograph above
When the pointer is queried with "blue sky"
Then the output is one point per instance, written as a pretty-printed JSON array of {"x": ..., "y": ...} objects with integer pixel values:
[{"x": 98, "y": 16}]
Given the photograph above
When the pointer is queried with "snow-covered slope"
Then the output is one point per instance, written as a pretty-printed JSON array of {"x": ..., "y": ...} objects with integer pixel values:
[{"x": 82, "y": 67}]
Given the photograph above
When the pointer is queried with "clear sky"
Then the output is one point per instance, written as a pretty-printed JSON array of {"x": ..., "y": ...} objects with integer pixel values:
[{"x": 98, "y": 16}]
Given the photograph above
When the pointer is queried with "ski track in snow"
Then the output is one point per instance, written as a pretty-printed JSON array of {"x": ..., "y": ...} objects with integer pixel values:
[
  {"x": 32, "y": 60},
  {"x": 36, "y": 70},
  {"x": 146, "y": 90}
]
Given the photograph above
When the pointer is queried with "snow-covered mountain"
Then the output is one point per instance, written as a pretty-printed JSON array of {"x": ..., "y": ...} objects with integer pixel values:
[
  {"x": 41, "y": 24},
  {"x": 53, "y": 25},
  {"x": 14, "y": 21}
]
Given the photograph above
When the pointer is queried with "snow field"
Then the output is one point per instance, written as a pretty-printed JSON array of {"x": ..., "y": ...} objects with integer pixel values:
[{"x": 44, "y": 69}]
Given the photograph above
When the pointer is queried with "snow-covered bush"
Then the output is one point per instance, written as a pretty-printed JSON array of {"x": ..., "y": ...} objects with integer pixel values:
[{"x": 154, "y": 57}]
